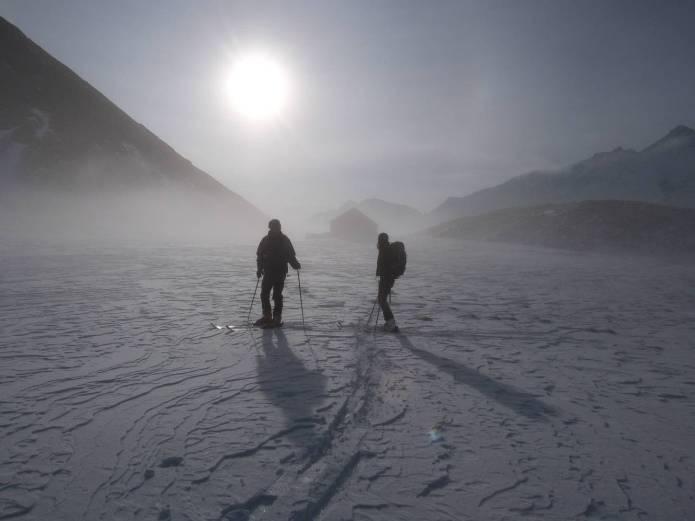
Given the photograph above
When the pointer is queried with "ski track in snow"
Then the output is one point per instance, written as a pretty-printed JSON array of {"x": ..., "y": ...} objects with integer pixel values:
[{"x": 562, "y": 385}]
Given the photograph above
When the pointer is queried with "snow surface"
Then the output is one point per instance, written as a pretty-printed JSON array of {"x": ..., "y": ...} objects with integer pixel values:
[{"x": 526, "y": 383}]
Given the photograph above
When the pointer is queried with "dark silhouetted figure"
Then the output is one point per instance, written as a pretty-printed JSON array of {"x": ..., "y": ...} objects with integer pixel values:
[
  {"x": 274, "y": 252},
  {"x": 385, "y": 266}
]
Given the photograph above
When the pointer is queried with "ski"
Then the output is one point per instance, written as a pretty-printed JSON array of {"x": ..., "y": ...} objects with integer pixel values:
[
  {"x": 231, "y": 327},
  {"x": 271, "y": 326},
  {"x": 246, "y": 327}
]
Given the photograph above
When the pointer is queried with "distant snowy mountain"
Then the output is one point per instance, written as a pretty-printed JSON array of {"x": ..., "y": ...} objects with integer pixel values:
[
  {"x": 661, "y": 173},
  {"x": 588, "y": 225},
  {"x": 390, "y": 217},
  {"x": 354, "y": 225},
  {"x": 59, "y": 135}
]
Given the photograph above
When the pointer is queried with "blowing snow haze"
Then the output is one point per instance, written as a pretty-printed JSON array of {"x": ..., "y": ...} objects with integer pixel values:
[{"x": 399, "y": 101}]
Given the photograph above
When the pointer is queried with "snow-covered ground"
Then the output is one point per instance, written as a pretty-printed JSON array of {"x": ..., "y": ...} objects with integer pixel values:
[{"x": 558, "y": 386}]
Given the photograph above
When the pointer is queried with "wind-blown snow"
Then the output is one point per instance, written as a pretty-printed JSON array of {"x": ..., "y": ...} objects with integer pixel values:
[
  {"x": 561, "y": 386},
  {"x": 10, "y": 156},
  {"x": 42, "y": 121}
]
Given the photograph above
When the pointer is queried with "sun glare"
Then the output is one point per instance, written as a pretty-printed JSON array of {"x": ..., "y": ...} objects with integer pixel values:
[{"x": 258, "y": 87}]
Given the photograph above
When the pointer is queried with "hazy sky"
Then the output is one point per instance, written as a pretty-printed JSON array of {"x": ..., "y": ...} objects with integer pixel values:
[{"x": 407, "y": 101}]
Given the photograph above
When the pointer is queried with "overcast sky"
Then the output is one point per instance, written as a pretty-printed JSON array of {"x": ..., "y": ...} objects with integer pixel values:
[{"x": 402, "y": 100}]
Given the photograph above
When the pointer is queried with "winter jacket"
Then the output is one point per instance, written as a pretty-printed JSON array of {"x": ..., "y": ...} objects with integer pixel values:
[
  {"x": 274, "y": 252},
  {"x": 385, "y": 262}
]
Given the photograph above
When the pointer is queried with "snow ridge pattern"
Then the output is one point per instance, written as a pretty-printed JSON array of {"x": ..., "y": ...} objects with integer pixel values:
[{"x": 524, "y": 383}]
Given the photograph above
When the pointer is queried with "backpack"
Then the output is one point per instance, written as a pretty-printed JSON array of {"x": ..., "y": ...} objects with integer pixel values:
[{"x": 399, "y": 258}]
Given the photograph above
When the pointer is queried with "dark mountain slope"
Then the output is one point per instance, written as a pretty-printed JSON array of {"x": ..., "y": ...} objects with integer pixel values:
[
  {"x": 587, "y": 225},
  {"x": 662, "y": 173},
  {"x": 60, "y": 136}
]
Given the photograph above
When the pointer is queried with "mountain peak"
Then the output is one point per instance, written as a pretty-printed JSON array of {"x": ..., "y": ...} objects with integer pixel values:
[
  {"x": 680, "y": 135},
  {"x": 681, "y": 131}
]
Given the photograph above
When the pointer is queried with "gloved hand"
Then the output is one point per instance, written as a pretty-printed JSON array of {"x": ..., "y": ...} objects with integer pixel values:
[
  {"x": 299, "y": 266},
  {"x": 259, "y": 273}
]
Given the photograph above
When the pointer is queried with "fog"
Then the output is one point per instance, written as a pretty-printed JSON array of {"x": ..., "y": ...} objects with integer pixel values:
[
  {"x": 154, "y": 216},
  {"x": 160, "y": 214},
  {"x": 396, "y": 100}
]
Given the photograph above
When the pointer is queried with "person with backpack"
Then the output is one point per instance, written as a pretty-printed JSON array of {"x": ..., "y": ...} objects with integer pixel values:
[
  {"x": 390, "y": 265},
  {"x": 274, "y": 252}
]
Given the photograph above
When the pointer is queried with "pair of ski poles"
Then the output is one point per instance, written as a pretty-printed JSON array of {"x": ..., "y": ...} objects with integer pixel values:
[{"x": 301, "y": 303}]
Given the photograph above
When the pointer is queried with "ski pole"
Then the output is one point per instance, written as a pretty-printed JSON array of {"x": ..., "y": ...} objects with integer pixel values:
[
  {"x": 301, "y": 304},
  {"x": 371, "y": 313},
  {"x": 248, "y": 317}
]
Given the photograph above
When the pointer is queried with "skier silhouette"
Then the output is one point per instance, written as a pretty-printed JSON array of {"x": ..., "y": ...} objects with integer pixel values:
[{"x": 274, "y": 252}]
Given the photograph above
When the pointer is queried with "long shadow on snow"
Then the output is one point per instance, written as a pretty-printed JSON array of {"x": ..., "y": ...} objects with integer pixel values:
[
  {"x": 289, "y": 385},
  {"x": 519, "y": 401}
]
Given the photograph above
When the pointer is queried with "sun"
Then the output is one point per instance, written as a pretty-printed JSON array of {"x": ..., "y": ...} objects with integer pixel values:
[{"x": 258, "y": 87}]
